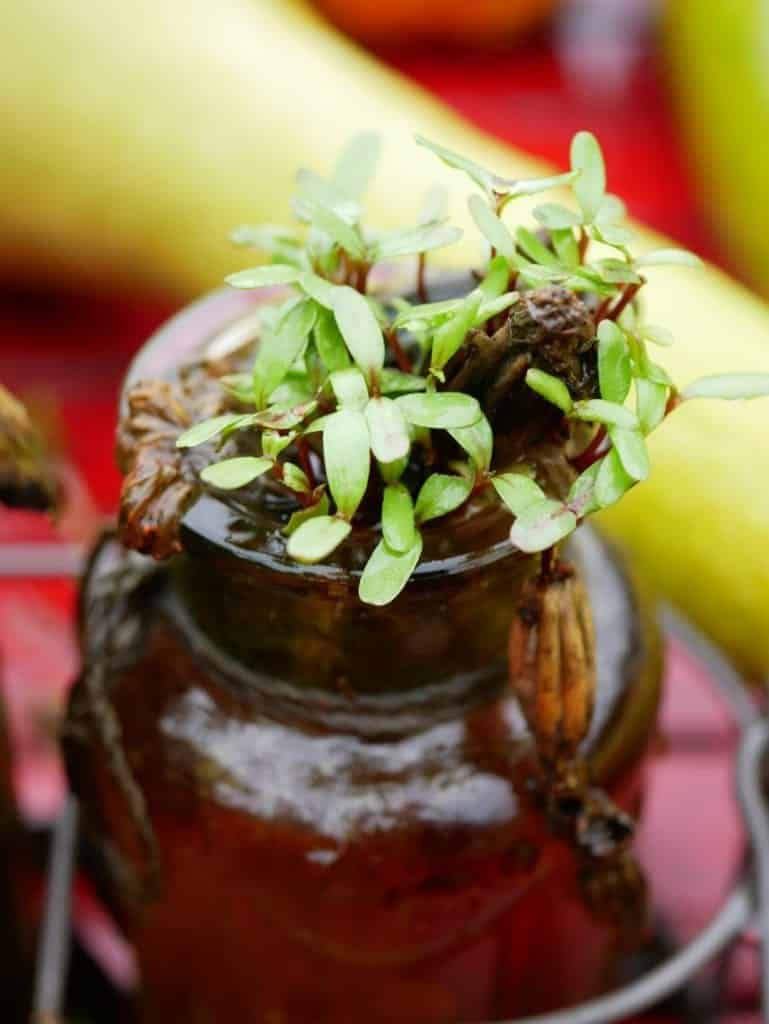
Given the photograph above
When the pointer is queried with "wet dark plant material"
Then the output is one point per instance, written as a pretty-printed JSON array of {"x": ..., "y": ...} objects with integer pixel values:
[{"x": 549, "y": 329}]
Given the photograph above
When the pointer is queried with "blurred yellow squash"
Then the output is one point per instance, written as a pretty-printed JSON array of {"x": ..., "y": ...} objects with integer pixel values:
[
  {"x": 719, "y": 67},
  {"x": 137, "y": 133}
]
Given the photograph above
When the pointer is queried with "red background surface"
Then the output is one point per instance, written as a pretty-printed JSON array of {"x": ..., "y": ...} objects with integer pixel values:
[{"x": 69, "y": 353}]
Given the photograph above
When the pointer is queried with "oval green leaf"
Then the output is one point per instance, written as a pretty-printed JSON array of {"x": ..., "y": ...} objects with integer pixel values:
[
  {"x": 590, "y": 186},
  {"x": 265, "y": 276},
  {"x": 347, "y": 459},
  {"x": 597, "y": 410},
  {"x": 387, "y": 572},
  {"x": 551, "y": 388},
  {"x": 541, "y": 525},
  {"x": 632, "y": 452},
  {"x": 388, "y": 430},
  {"x": 207, "y": 429},
  {"x": 730, "y": 386},
  {"x": 441, "y": 494},
  {"x": 478, "y": 441},
  {"x": 233, "y": 473},
  {"x": 612, "y": 481},
  {"x": 398, "y": 525},
  {"x": 359, "y": 327},
  {"x": 440, "y": 409},
  {"x": 491, "y": 227},
  {"x": 615, "y": 372},
  {"x": 316, "y": 538},
  {"x": 448, "y": 338},
  {"x": 517, "y": 491}
]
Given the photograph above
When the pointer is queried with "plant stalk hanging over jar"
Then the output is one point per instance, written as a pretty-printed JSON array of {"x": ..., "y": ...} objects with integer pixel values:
[{"x": 361, "y": 488}]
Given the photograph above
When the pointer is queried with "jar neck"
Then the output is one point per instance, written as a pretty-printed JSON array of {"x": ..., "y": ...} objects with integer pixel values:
[{"x": 305, "y": 637}]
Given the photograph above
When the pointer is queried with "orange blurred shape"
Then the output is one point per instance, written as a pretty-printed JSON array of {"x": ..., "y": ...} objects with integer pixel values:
[{"x": 477, "y": 22}]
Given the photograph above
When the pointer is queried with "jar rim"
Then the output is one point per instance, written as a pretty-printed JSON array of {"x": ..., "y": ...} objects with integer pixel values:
[{"x": 186, "y": 335}]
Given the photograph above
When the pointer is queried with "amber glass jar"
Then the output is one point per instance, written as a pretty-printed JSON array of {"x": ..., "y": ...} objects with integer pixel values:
[{"x": 317, "y": 810}]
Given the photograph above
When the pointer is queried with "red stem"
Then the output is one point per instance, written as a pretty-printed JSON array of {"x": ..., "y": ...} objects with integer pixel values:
[
  {"x": 421, "y": 282},
  {"x": 401, "y": 357},
  {"x": 592, "y": 453}
]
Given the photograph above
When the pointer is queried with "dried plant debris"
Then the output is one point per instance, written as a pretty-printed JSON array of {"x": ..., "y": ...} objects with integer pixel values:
[
  {"x": 26, "y": 478},
  {"x": 160, "y": 479}
]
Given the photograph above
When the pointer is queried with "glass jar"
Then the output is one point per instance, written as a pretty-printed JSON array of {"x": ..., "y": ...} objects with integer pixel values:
[{"x": 316, "y": 810}]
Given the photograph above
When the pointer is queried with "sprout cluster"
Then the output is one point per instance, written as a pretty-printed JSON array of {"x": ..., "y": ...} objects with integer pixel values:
[{"x": 363, "y": 381}]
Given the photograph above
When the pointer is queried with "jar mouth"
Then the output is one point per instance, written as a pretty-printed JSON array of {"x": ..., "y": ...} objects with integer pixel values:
[{"x": 205, "y": 528}]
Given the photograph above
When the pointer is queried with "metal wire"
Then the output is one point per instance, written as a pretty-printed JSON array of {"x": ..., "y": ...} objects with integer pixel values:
[{"x": 55, "y": 939}]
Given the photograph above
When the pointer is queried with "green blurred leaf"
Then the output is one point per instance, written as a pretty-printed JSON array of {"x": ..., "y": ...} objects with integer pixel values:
[
  {"x": 318, "y": 288},
  {"x": 497, "y": 279},
  {"x": 397, "y": 382},
  {"x": 232, "y": 473},
  {"x": 631, "y": 449},
  {"x": 442, "y": 409},
  {"x": 357, "y": 165},
  {"x": 387, "y": 572},
  {"x": 533, "y": 186},
  {"x": 207, "y": 429},
  {"x": 448, "y": 338},
  {"x": 264, "y": 276},
  {"x": 347, "y": 459},
  {"x": 656, "y": 335},
  {"x": 359, "y": 328},
  {"x": 612, "y": 481},
  {"x": 478, "y": 441},
  {"x": 283, "y": 418},
  {"x": 551, "y": 388},
  {"x": 441, "y": 494},
  {"x": 729, "y": 386},
  {"x": 581, "y": 498},
  {"x": 316, "y": 537},
  {"x": 590, "y": 186},
  {"x": 273, "y": 444},
  {"x": 329, "y": 342},
  {"x": 350, "y": 388},
  {"x": 346, "y": 235},
  {"x": 295, "y": 478},
  {"x": 414, "y": 240},
  {"x": 668, "y": 258},
  {"x": 388, "y": 430},
  {"x": 279, "y": 350},
  {"x": 483, "y": 178},
  {"x": 517, "y": 491},
  {"x": 611, "y": 211},
  {"x": 616, "y": 271},
  {"x": 541, "y": 525},
  {"x": 555, "y": 217},
  {"x": 565, "y": 245},
  {"x": 435, "y": 205},
  {"x": 614, "y": 370},
  {"x": 320, "y": 508},
  {"x": 597, "y": 410},
  {"x": 651, "y": 403},
  {"x": 313, "y": 191},
  {"x": 391, "y": 472},
  {"x": 536, "y": 250},
  {"x": 427, "y": 312},
  {"x": 398, "y": 525},
  {"x": 493, "y": 307},
  {"x": 491, "y": 227}
]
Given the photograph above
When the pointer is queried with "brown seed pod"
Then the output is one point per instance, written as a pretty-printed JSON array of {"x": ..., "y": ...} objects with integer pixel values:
[{"x": 552, "y": 661}]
